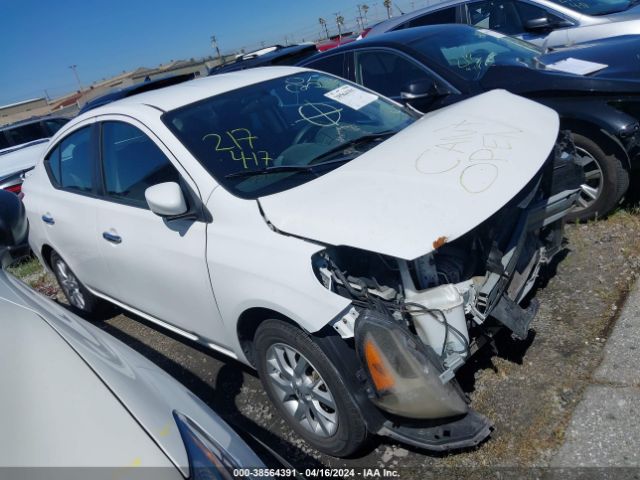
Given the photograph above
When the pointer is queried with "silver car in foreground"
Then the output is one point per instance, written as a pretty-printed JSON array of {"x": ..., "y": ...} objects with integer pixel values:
[
  {"x": 543, "y": 22},
  {"x": 76, "y": 399}
]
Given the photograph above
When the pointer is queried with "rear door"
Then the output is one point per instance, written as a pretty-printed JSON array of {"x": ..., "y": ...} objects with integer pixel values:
[
  {"x": 67, "y": 207},
  {"x": 156, "y": 266}
]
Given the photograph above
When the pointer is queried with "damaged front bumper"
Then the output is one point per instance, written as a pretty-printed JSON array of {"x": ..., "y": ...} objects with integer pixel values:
[
  {"x": 513, "y": 277},
  {"x": 410, "y": 377}
]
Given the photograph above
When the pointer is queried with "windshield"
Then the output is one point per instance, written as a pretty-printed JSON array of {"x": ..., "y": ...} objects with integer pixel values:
[
  {"x": 597, "y": 7},
  {"x": 470, "y": 52},
  {"x": 278, "y": 134}
]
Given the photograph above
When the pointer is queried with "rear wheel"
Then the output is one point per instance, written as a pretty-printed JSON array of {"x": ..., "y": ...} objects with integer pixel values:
[
  {"x": 307, "y": 389},
  {"x": 606, "y": 181},
  {"x": 80, "y": 299}
]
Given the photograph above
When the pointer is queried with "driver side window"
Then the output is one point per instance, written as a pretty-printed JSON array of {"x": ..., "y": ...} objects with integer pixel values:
[
  {"x": 131, "y": 163},
  {"x": 507, "y": 16},
  {"x": 499, "y": 15},
  {"x": 528, "y": 12},
  {"x": 387, "y": 72}
]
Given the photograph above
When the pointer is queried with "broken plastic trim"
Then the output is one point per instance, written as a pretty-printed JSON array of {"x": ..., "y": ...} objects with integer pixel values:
[{"x": 453, "y": 434}]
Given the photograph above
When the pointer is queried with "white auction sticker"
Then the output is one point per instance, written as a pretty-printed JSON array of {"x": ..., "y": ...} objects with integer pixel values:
[
  {"x": 351, "y": 97},
  {"x": 576, "y": 66}
]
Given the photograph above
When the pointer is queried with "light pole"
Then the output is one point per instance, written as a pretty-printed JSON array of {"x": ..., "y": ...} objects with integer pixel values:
[
  {"x": 75, "y": 72},
  {"x": 214, "y": 44}
]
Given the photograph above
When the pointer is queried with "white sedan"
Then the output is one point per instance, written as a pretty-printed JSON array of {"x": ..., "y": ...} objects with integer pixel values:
[{"x": 341, "y": 244}]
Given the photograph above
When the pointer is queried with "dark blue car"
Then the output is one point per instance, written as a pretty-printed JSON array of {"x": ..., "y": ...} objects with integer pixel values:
[{"x": 434, "y": 66}]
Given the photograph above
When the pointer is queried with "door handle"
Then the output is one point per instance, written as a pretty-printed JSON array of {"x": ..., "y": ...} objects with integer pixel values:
[
  {"x": 111, "y": 237},
  {"x": 48, "y": 219}
]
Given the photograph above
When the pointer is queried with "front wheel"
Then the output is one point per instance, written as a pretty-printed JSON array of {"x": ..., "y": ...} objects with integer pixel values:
[
  {"x": 307, "y": 389},
  {"x": 606, "y": 181}
]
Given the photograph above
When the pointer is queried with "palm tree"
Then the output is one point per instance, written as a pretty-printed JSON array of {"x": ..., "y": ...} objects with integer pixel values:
[
  {"x": 365, "y": 9},
  {"x": 340, "y": 23},
  {"x": 388, "y": 6},
  {"x": 323, "y": 23}
]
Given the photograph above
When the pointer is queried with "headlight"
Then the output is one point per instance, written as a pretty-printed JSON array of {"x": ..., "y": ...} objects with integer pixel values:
[
  {"x": 207, "y": 459},
  {"x": 406, "y": 381}
]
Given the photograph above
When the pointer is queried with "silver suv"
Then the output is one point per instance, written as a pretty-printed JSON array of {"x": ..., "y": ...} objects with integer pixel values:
[{"x": 543, "y": 22}]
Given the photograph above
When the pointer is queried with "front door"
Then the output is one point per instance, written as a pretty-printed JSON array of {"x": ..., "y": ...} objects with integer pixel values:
[{"x": 156, "y": 266}]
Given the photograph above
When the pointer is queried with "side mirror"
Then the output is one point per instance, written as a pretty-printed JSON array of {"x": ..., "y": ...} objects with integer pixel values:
[
  {"x": 542, "y": 23},
  {"x": 166, "y": 199},
  {"x": 420, "y": 89},
  {"x": 14, "y": 228}
]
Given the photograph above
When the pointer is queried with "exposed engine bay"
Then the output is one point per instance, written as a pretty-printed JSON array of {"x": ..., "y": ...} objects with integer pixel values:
[{"x": 431, "y": 304}]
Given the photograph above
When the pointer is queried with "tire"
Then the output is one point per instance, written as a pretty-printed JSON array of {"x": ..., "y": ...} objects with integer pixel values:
[
  {"x": 325, "y": 416},
  {"x": 81, "y": 300},
  {"x": 606, "y": 182}
]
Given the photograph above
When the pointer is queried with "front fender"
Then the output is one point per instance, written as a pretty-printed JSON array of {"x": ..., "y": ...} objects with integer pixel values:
[{"x": 251, "y": 265}]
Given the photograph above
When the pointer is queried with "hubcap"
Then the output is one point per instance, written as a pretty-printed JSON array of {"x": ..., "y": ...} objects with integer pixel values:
[
  {"x": 301, "y": 390},
  {"x": 591, "y": 189},
  {"x": 70, "y": 285}
]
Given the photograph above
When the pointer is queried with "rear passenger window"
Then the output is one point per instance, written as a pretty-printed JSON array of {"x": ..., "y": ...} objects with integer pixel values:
[
  {"x": 131, "y": 163},
  {"x": 52, "y": 163},
  {"x": 71, "y": 162},
  {"x": 387, "y": 72},
  {"x": 446, "y": 15},
  {"x": 333, "y": 64}
]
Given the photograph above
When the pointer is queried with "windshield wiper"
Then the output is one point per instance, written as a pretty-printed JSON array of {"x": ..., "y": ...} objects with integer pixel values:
[
  {"x": 312, "y": 166},
  {"x": 288, "y": 168},
  {"x": 353, "y": 143}
]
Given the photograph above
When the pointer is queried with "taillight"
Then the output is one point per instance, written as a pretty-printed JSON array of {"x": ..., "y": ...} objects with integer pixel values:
[{"x": 17, "y": 189}]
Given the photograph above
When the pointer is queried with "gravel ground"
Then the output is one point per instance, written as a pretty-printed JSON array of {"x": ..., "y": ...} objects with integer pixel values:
[{"x": 529, "y": 389}]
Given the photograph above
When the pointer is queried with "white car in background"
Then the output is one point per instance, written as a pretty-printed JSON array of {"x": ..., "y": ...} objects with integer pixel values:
[
  {"x": 552, "y": 23},
  {"x": 21, "y": 145},
  {"x": 78, "y": 403},
  {"x": 341, "y": 244}
]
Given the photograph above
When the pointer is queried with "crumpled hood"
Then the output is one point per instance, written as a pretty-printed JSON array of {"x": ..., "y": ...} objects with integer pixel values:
[
  {"x": 440, "y": 177},
  {"x": 21, "y": 158}
]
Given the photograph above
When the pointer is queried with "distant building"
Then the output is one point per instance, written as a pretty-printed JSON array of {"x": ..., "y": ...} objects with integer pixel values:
[{"x": 22, "y": 107}]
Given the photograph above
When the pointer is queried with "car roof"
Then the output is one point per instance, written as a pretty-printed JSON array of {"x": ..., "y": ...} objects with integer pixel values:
[
  {"x": 399, "y": 38},
  {"x": 265, "y": 59},
  {"x": 135, "y": 89},
  {"x": 176, "y": 96},
  {"x": 30, "y": 121},
  {"x": 393, "y": 22}
]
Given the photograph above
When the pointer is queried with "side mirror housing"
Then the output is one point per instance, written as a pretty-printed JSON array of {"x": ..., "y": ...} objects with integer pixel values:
[
  {"x": 420, "y": 89},
  {"x": 535, "y": 24},
  {"x": 14, "y": 228},
  {"x": 166, "y": 199}
]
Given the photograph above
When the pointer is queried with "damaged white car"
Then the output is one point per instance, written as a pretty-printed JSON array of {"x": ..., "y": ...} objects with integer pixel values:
[{"x": 352, "y": 251}]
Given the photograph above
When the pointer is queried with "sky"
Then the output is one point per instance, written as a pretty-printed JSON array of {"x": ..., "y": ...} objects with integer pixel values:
[{"x": 40, "y": 39}]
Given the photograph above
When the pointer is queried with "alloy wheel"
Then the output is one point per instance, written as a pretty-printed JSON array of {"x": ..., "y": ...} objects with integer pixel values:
[
  {"x": 301, "y": 390},
  {"x": 591, "y": 189},
  {"x": 70, "y": 285}
]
